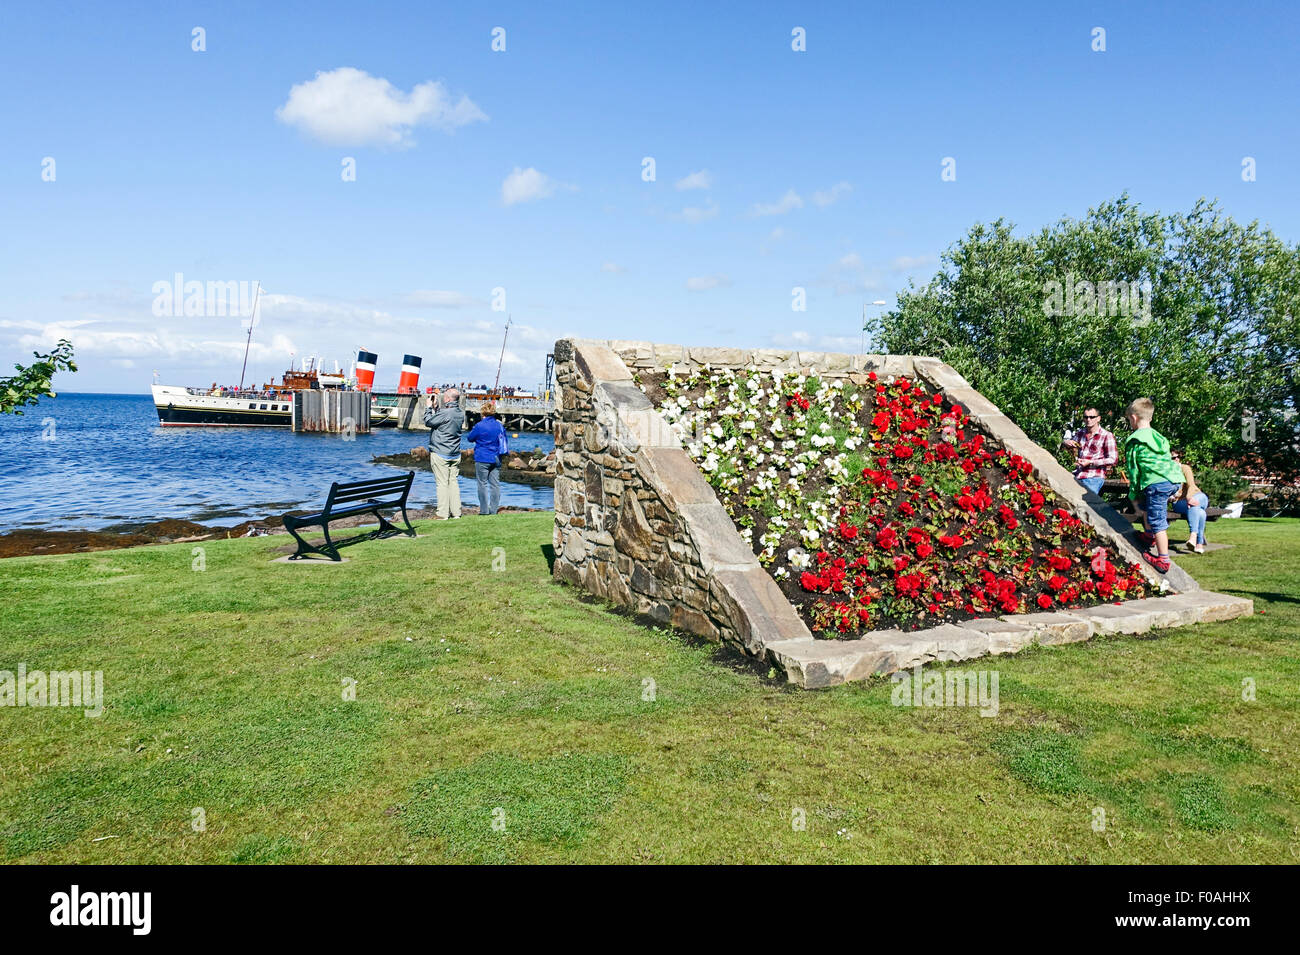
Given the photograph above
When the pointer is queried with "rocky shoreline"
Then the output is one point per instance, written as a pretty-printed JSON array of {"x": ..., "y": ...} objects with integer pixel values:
[
  {"x": 534, "y": 468},
  {"x": 36, "y": 542}
]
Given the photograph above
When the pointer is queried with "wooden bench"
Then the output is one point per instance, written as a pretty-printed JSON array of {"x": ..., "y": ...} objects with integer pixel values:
[
  {"x": 348, "y": 500},
  {"x": 1117, "y": 487}
]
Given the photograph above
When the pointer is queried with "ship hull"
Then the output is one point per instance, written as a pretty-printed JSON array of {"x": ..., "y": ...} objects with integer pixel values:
[
  {"x": 203, "y": 417},
  {"x": 179, "y": 407}
]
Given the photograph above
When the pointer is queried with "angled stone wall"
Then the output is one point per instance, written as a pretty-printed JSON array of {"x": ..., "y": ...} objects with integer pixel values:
[{"x": 637, "y": 524}]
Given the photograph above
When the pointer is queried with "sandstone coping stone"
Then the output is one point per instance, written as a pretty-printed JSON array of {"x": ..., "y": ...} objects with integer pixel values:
[
  {"x": 675, "y": 476},
  {"x": 757, "y": 609},
  {"x": 886, "y": 366},
  {"x": 668, "y": 355},
  {"x": 721, "y": 546},
  {"x": 1053, "y": 627},
  {"x": 598, "y": 362},
  {"x": 1004, "y": 636},
  {"x": 815, "y": 664},
  {"x": 1212, "y": 607},
  {"x": 633, "y": 352},
  {"x": 1110, "y": 618},
  {"x": 954, "y": 641},
  {"x": 720, "y": 357}
]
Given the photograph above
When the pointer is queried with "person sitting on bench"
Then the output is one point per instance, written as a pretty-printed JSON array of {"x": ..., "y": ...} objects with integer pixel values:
[{"x": 1191, "y": 502}]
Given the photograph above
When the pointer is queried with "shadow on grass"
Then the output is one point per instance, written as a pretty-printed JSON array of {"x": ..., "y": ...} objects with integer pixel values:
[
  {"x": 723, "y": 654},
  {"x": 549, "y": 553},
  {"x": 375, "y": 535},
  {"x": 1264, "y": 595}
]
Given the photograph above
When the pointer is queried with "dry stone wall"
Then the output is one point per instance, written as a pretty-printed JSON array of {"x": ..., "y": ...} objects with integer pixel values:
[{"x": 636, "y": 522}]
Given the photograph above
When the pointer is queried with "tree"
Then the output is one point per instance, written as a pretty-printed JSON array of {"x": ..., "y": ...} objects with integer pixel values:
[
  {"x": 35, "y": 381},
  {"x": 1193, "y": 310}
]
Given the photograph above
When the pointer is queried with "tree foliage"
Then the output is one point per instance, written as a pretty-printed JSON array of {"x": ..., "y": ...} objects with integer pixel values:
[
  {"x": 1215, "y": 341},
  {"x": 35, "y": 381}
]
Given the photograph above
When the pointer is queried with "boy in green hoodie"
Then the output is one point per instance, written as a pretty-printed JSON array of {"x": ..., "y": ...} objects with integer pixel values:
[{"x": 1153, "y": 476}]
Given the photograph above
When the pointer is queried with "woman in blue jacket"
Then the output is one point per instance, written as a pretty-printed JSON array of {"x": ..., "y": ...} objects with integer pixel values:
[{"x": 489, "y": 440}]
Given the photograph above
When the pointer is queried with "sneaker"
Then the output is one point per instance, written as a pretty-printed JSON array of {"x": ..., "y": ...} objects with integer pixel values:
[
  {"x": 1145, "y": 539},
  {"x": 1199, "y": 548},
  {"x": 1159, "y": 562}
]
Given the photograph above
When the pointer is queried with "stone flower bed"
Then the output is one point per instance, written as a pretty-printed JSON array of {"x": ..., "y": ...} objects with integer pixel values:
[{"x": 883, "y": 505}]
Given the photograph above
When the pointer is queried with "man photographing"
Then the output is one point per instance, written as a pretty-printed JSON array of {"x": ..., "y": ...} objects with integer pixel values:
[
  {"x": 446, "y": 421},
  {"x": 1095, "y": 451}
]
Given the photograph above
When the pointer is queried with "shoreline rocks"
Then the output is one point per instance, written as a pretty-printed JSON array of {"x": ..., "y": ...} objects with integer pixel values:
[{"x": 531, "y": 468}]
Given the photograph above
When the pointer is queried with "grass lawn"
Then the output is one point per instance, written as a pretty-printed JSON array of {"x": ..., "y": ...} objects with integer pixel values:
[{"x": 478, "y": 689}]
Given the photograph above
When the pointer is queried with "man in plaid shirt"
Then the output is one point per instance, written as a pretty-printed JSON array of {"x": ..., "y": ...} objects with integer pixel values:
[{"x": 1095, "y": 449}]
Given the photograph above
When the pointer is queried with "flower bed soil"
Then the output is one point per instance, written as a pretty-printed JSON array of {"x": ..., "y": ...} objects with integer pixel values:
[{"x": 883, "y": 505}]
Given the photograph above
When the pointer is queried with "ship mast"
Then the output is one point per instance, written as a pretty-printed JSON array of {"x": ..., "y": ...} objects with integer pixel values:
[
  {"x": 496, "y": 388},
  {"x": 252, "y": 320}
]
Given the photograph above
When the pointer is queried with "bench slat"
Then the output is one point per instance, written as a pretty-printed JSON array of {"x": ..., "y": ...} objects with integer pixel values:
[
  {"x": 377, "y": 484},
  {"x": 370, "y": 497}
]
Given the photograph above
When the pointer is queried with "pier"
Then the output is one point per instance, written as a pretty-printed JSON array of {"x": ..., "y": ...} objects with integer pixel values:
[
  {"x": 516, "y": 414},
  {"x": 331, "y": 412}
]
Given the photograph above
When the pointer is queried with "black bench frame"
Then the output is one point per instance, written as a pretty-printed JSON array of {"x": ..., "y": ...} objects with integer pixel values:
[{"x": 370, "y": 497}]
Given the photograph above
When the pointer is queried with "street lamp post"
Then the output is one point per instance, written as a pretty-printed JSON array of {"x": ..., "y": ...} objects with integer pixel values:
[{"x": 879, "y": 301}]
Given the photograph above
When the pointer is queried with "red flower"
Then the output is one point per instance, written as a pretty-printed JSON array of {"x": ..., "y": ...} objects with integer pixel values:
[
  {"x": 887, "y": 538},
  {"x": 924, "y": 550},
  {"x": 954, "y": 541},
  {"x": 909, "y": 585},
  {"x": 901, "y": 562},
  {"x": 881, "y": 421},
  {"x": 1056, "y": 582},
  {"x": 1044, "y": 601}
]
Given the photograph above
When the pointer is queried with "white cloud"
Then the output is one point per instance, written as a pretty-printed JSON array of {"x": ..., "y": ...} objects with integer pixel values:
[
  {"x": 437, "y": 298},
  {"x": 906, "y": 263},
  {"x": 787, "y": 203},
  {"x": 349, "y": 107},
  {"x": 701, "y": 283},
  {"x": 528, "y": 185},
  {"x": 832, "y": 195},
  {"x": 776, "y": 234},
  {"x": 702, "y": 179},
  {"x": 197, "y": 350},
  {"x": 612, "y": 267},
  {"x": 695, "y": 214},
  {"x": 849, "y": 274}
]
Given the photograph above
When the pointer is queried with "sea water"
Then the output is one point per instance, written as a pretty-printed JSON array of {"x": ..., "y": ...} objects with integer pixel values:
[{"x": 90, "y": 462}]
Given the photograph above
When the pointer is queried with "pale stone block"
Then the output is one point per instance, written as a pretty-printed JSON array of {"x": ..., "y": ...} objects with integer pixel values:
[
  {"x": 599, "y": 363},
  {"x": 1053, "y": 628},
  {"x": 720, "y": 544},
  {"x": 1003, "y": 635}
]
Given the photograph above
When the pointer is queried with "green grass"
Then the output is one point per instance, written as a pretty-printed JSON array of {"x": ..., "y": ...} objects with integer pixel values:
[{"x": 479, "y": 691}]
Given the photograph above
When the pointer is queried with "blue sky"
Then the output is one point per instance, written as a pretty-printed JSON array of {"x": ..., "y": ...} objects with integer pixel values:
[{"x": 822, "y": 167}]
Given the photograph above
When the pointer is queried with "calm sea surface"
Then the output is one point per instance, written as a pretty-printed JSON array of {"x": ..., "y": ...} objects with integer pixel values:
[{"x": 92, "y": 461}]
